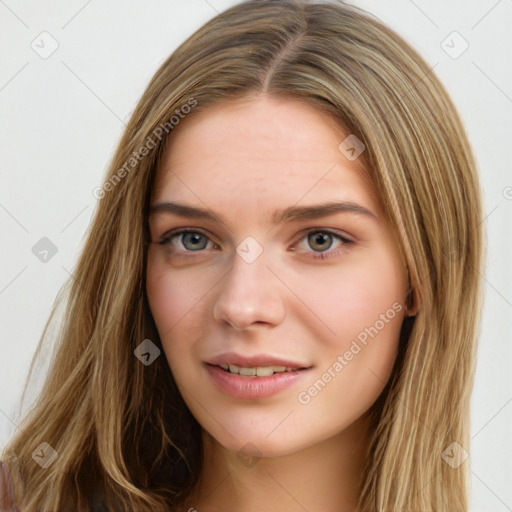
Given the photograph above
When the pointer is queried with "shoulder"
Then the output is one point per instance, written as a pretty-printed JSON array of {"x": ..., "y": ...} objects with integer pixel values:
[{"x": 7, "y": 503}]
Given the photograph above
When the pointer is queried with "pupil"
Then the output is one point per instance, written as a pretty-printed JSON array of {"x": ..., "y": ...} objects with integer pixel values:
[
  {"x": 194, "y": 239},
  {"x": 321, "y": 239}
]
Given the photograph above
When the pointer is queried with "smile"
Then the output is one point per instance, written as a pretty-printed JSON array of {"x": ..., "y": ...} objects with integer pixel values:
[
  {"x": 255, "y": 371},
  {"x": 254, "y": 382}
]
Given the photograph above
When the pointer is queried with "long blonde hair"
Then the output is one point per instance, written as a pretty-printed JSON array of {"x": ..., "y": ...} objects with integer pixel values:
[{"x": 121, "y": 430}]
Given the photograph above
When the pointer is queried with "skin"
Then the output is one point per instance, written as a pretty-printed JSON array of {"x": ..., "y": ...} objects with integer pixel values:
[{"x": 243, "y": 160}]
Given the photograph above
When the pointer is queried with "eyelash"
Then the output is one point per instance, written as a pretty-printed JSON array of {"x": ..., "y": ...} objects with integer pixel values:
[{"x": 166, "y": 240}]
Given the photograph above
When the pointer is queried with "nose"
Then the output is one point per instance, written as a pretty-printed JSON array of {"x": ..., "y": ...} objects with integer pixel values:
[{"x": 250, "y": 295}]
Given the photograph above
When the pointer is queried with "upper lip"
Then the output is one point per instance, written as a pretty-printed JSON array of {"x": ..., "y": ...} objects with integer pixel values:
[{"x": 254, "y": 360}]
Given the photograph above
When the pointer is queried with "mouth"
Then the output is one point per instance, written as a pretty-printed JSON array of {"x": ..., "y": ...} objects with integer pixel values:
[
  {"x": 256, "y": 381},
  {"x": 255, "y": 365},
  {"x": 257, "y": 371}
]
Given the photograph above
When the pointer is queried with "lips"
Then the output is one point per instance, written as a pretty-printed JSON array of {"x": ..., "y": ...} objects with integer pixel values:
[
  {"x": 253, "y": 361},
  {"x": 255, "y": 377},
  {"x": 254, "y": 387}
]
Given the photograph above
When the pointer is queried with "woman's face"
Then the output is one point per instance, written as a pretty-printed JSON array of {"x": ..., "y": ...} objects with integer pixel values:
[{"x": 268, "y": 278}]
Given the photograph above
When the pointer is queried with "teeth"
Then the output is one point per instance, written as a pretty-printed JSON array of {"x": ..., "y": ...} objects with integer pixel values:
[
  {"x": 249, "y": 372},
  {"x": 253, "y": 371},
  {"x": 264, "y": 371}
]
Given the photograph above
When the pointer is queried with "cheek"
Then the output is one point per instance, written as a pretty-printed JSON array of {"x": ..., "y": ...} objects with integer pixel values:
[
  {"x": 350, "y": 299},
  {"x": 177, "y": 300},
  {"x": 163, "y": 300},
  {"x": 363, "y": 366},
  {"x": 363, "y": 307},
  {"x": 172, "y": 295}
]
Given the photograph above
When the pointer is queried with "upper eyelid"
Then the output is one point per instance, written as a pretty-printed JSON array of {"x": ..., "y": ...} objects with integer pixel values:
[
  {"x": 179, "y": 231},
  {"x": 346, "y": 238}
]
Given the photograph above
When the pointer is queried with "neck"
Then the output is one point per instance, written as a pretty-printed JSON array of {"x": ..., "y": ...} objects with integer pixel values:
[{"x": 326, "y": 476}]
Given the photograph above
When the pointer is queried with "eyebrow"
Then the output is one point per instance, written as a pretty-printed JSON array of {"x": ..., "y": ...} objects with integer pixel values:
[{"x": 292, "y": 213}]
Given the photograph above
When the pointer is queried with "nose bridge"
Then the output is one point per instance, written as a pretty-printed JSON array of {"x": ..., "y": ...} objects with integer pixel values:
[{"x": 249, "y": 293}]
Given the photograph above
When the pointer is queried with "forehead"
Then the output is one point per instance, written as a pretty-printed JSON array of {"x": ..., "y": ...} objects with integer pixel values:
[{"x": 255, "y": 147}]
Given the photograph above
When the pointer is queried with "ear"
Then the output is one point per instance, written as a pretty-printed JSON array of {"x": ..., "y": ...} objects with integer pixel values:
[{"x": 411, "y": 303}]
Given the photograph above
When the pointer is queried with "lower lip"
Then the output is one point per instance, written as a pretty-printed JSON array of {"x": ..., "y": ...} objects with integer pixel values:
[{"x": 254, "y": 387}]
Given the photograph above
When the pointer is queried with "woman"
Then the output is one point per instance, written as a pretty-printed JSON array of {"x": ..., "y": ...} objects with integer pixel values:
[{"x": 278, "y": 301}]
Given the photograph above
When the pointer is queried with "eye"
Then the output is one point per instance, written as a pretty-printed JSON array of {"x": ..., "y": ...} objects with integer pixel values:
[
  {"x": 186, "y": 239},
  {"x": 321, "y": 241}
]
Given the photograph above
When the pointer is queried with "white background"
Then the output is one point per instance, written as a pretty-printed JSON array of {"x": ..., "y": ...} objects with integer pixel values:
[{"x": 61, "y": 118}]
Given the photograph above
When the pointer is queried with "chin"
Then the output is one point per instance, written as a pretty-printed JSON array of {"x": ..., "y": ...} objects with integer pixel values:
[{"x": 248, "y": 440}]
